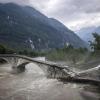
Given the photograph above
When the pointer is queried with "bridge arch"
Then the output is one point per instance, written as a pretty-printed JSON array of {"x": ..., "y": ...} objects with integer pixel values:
[
  {"x": 21, "y": 64},
  {"x": 40, "y": 67},
  {"x": 35, "y": 68},
  {"x": 4, "y": 60},
  {"x": 51, "y": 69}
]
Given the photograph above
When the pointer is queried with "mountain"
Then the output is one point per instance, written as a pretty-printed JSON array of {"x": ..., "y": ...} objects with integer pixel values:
[
  {"x": 68, "y": 35},
  {"x": 97, "y": 30},
  {"x": 86, "y": 33},
  {"x": 23, "y": 27}
]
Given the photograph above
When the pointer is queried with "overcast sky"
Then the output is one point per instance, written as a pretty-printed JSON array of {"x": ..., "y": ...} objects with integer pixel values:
[{"x": 75, "y": 14}]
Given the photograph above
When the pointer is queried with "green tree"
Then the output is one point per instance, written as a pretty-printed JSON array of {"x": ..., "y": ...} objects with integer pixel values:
[
  {"x": 5, "y": 50},
  {"x": 2, "y": 49},
  {"x": 95, "y": 45}
]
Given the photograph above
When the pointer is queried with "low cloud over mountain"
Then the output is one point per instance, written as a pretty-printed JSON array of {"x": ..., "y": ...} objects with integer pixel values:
[{"x": 73, "y": 13}]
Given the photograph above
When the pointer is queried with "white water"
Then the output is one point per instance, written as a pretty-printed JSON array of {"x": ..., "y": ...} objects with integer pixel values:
[{"x": 33, "y": 85}]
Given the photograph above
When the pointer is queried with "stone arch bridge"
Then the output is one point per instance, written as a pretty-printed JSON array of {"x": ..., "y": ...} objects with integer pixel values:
[{"x": 52, "y": 70}]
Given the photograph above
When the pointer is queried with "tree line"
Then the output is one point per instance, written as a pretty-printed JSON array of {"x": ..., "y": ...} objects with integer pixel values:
[{"x": 95, "y": 49}]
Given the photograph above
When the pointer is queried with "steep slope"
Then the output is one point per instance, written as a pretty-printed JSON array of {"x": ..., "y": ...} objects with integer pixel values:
[
  {"x": 26, "y": 28},
  {"x": 68, "y": 35}
]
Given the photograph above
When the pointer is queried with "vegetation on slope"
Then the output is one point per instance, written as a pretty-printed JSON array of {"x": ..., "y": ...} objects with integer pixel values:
[
  {"x": 19, "y": 25},
  {"x": 73, "y": 56}
]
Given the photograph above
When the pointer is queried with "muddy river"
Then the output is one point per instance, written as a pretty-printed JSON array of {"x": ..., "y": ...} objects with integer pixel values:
[{"x": 33, "y": 85}]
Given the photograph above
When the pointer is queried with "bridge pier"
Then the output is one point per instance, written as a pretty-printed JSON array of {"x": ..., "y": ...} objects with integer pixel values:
[
  {"x": 14, "y": 62},
  {"x": 21, "y": 67}
]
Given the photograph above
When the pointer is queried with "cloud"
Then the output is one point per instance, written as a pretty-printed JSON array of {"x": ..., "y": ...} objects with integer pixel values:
[
  {"x": 73, "y": 13},
  {"x": 77, "y": 13},
  {"x": 21, "y": 2}
]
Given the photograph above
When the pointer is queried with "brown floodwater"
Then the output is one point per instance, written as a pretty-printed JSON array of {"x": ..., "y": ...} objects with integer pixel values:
[{"x": 33, "y": 85}]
